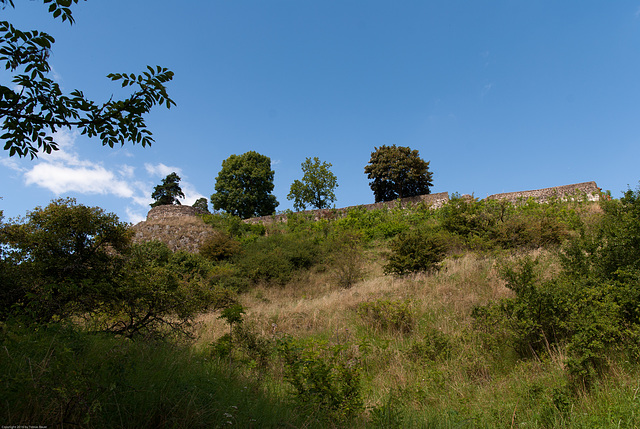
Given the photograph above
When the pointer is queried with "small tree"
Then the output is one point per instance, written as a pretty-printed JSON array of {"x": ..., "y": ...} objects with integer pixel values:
[
  {"x": 244, "y": 186},
  {"x": 397, "y": 172},
  {"x": 168, "y": 192},
  {"x": 202, "y": 205},
  {"x": 316, "y": 187}
]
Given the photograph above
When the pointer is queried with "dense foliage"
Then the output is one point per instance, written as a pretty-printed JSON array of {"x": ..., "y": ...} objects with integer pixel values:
[
  {"x": 397, "y": 172},
  {"x": 69, "y": 261},
  {"x": 316, "y": 187},
  {"x": 244, "y": 186},
  {"x": 34, "y": 107},
  {"x": 168, "y": 192}
]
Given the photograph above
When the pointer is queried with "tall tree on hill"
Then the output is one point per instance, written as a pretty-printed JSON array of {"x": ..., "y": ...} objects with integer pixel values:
[
  {"x": 33, "y": 106},
  {"x": 168, "y": 192},
  {"x": 397, "y": 172},
  {"x": 244, "y": 186},
  {"x": 316, "y": 187}
]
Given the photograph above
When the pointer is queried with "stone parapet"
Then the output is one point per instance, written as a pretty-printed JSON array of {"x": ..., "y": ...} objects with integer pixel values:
[
  {"x": 432, "y": 201},
  {"x": 171, "y": 211},
  {"x": 588, "y": 190}
]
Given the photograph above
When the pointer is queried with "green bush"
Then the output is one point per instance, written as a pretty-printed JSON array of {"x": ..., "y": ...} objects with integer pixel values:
[
  {"x": 582, "y": 314},
  {"x": 220, "y": 247},
  {"x": 433, "y": 346},
  {"x": 326, "y": 379},
  {"x": 233, "y": 225},
  {"x": 415, "y": 250},
  {"x": 346, "y": 257},
  {"x": 389, "y": 316},
  {"x": 276, "y": 258}
]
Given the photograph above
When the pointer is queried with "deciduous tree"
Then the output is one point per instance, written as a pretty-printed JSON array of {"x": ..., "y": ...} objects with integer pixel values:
[
  {"x": 33, "y": 107},
  {"x": 316, "y": 187},
  {"x": 68, "y": 261},
  {"x": 397, "y": 172},
  {"x": 244, "y": 186}
]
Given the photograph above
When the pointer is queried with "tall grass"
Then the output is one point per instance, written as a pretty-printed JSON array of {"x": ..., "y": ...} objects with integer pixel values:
[{"x": 58, "y": 377}]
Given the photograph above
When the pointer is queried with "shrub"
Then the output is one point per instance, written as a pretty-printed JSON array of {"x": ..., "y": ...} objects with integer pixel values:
[
  {"x": 385, "y": 315},
  {"x": 415, "y": 250},
  {"x": 433, "y": 346},
  {"x": 325, "y": 378},
  {"x": 275, "y": 259},
  {"x": 220, "y": 247},
  {"x": 233, "y": 225},
  {"x": 581, "y": 313},
  {"x": 346, "y": 258}
]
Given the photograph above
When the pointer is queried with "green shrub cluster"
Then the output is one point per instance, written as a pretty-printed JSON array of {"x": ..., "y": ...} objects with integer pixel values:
[
  {"x": 388, "y": 316},
  {"x": 591, "y": 307},
  {"x": 434, "y": 345},
  {"x": 276, "y": 258},
  {"x": 490, "y": 224},
  {"x": 325, "y": 378},
  {"x": 416, "y": 250},
  {"x": 69, "y": 261}
]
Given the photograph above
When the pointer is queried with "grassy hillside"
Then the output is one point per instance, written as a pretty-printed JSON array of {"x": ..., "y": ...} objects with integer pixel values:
[{"x": 479, "y": 314}]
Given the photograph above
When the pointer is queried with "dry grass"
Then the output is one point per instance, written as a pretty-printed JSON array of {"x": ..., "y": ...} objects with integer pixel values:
[{"x": 314, "y": 305}]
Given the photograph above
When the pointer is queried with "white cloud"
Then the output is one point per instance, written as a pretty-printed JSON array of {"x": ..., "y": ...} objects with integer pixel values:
[
  {"x": 127, "y": 171},
  {"x": 135, "y": 216},
  {"x": 12, "y": 164},
  {"x": 161, "y": 170},
  {"x": 64, "y": 171},
  {"x": 62, "y": 178},
  {"x": 190, "y": 193}
]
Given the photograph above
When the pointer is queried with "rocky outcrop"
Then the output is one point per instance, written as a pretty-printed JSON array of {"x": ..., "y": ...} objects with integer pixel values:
[{"x": 178, "y": 227}]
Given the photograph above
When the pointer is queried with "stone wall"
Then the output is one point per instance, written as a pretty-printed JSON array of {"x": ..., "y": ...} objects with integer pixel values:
[
  {"x": 171, "y": 211},
  {"x": 181, "y": 229},
  {"x": 178, "y": 227},
  {"x": 576, "y": 191},
  {"x": 433, "y": 201}
]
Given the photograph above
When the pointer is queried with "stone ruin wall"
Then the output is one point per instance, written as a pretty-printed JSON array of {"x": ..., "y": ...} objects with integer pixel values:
[
  {"x": 177, "y": 226},
  {"x": 181, "y": 229},
  {"x": 568, "y": 192},
  {"x": 160, "y": 213},
  {"x": 431, "y": 200}
]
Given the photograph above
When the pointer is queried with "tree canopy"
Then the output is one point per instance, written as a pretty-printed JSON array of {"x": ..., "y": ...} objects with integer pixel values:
[
  {"x": 68, "y": 261},
  {"x": 316, "y": 187},
  {"x": 168, "y": 192},
  {"x": 202, "y": 205},
  {"x": 33, "y": 107},
  {"x": 397, "y": 172},
  {"x": 244, "y": 185}
]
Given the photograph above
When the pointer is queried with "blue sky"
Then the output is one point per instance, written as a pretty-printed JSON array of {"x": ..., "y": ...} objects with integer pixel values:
[{"x": 499, "y": 96}]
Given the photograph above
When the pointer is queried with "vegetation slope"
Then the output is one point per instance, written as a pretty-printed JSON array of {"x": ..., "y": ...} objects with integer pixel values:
[{"x": 478, "y": 314}]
